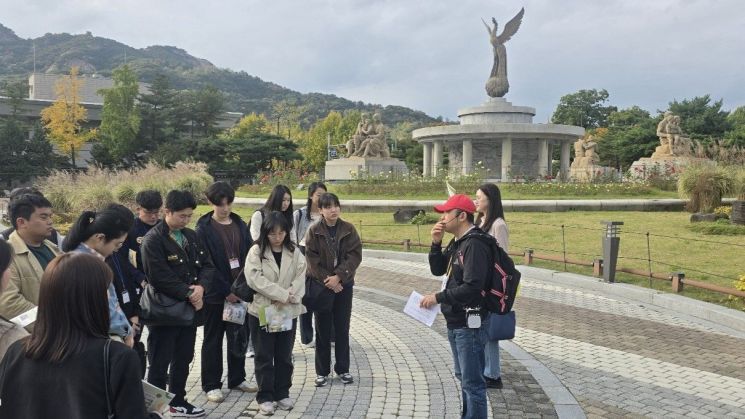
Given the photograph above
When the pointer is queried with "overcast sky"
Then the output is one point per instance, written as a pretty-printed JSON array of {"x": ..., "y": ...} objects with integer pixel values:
[{"x": 434, "y": 55}]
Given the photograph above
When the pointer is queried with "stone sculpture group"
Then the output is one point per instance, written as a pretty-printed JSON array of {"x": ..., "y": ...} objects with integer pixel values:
[
  {"x": 672, "y": 141},
  {"x": 369, "y": 139}
]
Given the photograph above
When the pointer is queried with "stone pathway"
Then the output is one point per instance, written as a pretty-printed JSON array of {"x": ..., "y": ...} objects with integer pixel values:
[{"x": 617, "y": 358}]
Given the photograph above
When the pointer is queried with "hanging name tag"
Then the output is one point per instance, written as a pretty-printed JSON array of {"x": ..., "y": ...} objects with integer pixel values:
[
  {"x": 125, "y": 297},
  {"x": 234, "y": 263}
]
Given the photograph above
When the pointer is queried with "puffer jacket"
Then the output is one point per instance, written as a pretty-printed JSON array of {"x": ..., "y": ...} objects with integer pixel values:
[{"x": 273, "y": 283}]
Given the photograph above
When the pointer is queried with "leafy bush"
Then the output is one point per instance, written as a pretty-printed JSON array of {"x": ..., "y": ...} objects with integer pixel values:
[
  {"x": 76, "y": 192},
  {"x": 559, "y": 189},
  {"x": 425, "y": 219},
  {"x": 704, "y": 185},
  {"x": 723, "y": 212},
  {"x": 409, "y": 184}
]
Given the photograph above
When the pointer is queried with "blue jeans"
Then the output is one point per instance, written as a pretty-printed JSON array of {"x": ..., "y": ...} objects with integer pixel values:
[
  {"x": 491, "y": 354},
  {"x": 468, "y": 354}
]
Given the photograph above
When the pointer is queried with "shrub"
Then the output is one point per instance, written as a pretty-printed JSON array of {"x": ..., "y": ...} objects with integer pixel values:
[
  {"x": 704, "y": 185},
  {"x": 425, "y": 219},
  {"x": 723, "y": 212},
  {"x": 75, "y": 192}
]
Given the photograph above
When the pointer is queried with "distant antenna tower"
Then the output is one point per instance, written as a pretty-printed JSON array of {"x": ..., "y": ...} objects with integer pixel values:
[{"x": 34, "y": 45}]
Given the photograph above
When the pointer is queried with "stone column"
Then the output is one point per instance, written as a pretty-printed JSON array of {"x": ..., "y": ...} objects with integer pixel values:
[
  {"x": 467, "y": 157},
  {"x": 427, "y": 160},
  {"x": 437, "y": 157},
  {"x": 506, "y": 159},
  {"x": 543, "y": 157},
  {"x": 565, "y": 151}
]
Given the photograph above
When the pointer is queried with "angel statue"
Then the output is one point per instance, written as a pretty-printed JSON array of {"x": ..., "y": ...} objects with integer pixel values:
[{"x": 497, "y": 85}]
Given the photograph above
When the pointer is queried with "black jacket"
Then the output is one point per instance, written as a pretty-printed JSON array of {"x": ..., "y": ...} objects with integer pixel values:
[
  {"x": 319, "y": 254},
  {"x": 212, "y": 241},
  {"x": 73, "y": 388},
  {"x": 170, "y": 268},
  {"x": 126, "y": 278},
  {"x": 134, "y": 239},
  {"x": 470, "y": 260}
]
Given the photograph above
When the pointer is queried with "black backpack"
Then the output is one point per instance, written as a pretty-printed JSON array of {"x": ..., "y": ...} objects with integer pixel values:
[{"x": 501, "y": 288}]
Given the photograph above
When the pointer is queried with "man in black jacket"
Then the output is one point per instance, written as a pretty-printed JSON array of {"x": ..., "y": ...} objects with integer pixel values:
[
  {"x": 149, "y": 203},
  {"x": 177, "y": 265},
  {"x": 466, "y": 263},
  {"x": 227, "y": 238}
]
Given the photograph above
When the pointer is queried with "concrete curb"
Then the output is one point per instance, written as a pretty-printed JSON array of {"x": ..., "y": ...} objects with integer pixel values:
[
  {"x": 537, "y": 205},
  {"x": 564, "y": 402}
]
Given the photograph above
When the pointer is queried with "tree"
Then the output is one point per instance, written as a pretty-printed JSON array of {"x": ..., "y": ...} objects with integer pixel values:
[
  {"x": 161, "y": 116},
  {"x": 313, "y": 143},
  {"x": 206, "y": 106},
  {"x": 736, "y": 135},
  {"x": 250, "y": 125},
  {"x": 631, "y": 134},
  {"x": 700, "y": 119},
  {"x": 584, "y": 108},
  {"x": 64, "y": 119},
  {"x": 120, "y": 118},
  {"x": 244, "y": 157},
  {"x": 23, "y": 157}
]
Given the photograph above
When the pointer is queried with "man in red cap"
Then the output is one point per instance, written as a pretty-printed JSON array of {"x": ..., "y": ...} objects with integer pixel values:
[{"x": 466, "y": 262}]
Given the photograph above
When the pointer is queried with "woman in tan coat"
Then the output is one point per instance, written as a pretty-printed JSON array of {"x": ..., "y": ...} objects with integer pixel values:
[{"x": 275, "y": 269}]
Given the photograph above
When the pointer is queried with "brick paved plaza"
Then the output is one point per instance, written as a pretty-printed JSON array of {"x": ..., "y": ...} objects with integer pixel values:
[{"x": 577, "y": 353}]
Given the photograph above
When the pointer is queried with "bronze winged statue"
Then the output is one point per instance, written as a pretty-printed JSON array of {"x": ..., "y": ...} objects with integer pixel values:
[{"x": 497, "y": 85}]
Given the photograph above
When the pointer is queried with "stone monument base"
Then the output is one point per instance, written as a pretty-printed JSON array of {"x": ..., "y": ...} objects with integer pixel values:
[
  {"x": 589, "y": 173},
  {"x": 669, "y": 166},
  {"x": 352, "y": 167}
]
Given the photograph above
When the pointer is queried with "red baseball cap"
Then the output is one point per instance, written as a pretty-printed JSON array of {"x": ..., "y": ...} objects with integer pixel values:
[{"x": 459, "y": 201}]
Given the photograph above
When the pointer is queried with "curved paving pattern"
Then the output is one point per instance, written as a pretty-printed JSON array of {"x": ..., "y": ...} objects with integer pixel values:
[{"x": 618, "y": 357}]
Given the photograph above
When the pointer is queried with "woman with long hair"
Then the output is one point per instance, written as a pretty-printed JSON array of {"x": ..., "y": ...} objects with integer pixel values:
[
  {"x": 101, "y": 234},
  {"x": 280, "y": 199},
  {"x": 491, "y": 220},
  {"x": 9, "y": 332},
  {"x": 333, "y": 253},
  {"x": 302, "y": 219},
  {"x": 275, "y": 269},
  {"x": 68, "y": 367}
]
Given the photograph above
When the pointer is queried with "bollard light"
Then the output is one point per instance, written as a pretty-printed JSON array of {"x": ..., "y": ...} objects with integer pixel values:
[{"x": 611, "y": 244}]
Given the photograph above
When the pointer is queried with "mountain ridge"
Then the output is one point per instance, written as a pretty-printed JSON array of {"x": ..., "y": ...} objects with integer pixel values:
[{"x": 56, "y": 53}]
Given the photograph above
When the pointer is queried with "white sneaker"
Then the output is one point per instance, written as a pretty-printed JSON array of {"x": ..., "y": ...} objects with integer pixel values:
[
  {"x": 245, "y": 386},
  {"x": 285, "y": 404},
  {"x": 215, "y": 395},
  {"x": 266, "y": 408},
  {"x": 311, "y": 344},
  {"x": 249, "y": 354}
]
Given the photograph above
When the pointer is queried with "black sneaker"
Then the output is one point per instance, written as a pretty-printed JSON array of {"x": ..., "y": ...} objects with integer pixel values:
[
  {"x": 492, "y": 383},
  {"x": 346, "y": 378},
  {"x": 186, "y": 410},
  {"x": 321, "y": 380}
]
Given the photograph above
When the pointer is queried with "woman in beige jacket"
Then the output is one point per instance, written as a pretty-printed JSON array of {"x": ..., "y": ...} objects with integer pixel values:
[
  {"x": 275, "y": 269},
  {"x": 9, "y": 332}
]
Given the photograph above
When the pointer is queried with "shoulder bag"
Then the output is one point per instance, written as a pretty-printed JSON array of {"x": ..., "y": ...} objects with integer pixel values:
[{"x": 159, "y": 309}]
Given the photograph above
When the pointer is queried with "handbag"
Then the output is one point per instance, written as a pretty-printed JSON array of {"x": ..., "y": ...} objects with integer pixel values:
[
  {"x": 501, "y": 326},
  {"x": 241, "y": 289},
  {"x": 159, "y": 309},
  {"x": 317, "y": 296}
]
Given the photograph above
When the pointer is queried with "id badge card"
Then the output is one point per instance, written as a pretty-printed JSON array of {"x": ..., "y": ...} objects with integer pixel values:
[
  {"x": 234, "y": 263},
  {"x": 125, "y": 297}
]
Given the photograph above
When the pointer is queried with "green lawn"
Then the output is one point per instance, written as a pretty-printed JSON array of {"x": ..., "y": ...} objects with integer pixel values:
[
  {"x": 673, "y": 247},
  {"x": 507, "y": 193}
]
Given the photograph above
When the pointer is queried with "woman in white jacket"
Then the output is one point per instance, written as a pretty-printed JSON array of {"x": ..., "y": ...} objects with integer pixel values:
[{"x": 275, "y": 268}]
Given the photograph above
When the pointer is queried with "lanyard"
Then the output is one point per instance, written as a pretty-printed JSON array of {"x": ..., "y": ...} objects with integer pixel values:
[{"x": 119, "y": 272}]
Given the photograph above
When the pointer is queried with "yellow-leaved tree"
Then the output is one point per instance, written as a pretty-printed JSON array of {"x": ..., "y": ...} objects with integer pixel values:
[{"x": 64, "y": 119}]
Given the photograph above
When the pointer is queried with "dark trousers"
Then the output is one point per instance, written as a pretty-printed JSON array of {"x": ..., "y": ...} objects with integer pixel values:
[
  {"x": 214, "y": 330},
  {"x": 338, "y": 318},
  {"x": 273, "y": 361},
  {"x": 306, "y": 327},
  {"x": 170, "y": 346}
]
